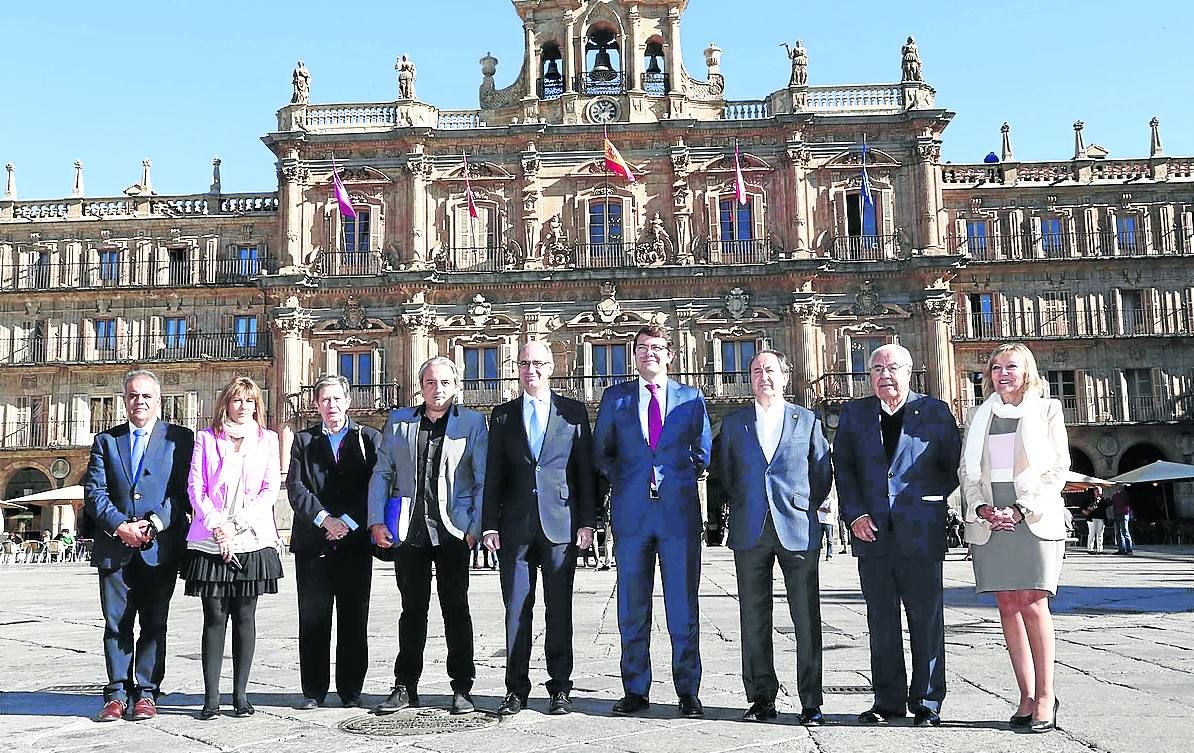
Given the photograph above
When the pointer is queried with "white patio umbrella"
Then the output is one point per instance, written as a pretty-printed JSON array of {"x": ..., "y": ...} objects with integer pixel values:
[
  {"x": 1077, "y": 482},
  {"x": 65, "y": 496},
  {"x": 1161, "y": 470}
]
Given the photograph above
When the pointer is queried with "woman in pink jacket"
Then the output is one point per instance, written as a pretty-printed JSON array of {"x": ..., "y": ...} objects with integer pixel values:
[{"x": 232, "y": 555}]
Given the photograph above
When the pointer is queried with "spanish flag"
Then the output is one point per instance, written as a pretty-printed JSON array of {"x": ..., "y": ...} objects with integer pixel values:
[{"x": 614, "y": 162}]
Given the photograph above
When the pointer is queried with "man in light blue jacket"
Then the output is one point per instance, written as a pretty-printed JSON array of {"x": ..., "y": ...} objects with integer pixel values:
[
  {"x": 775, "y": 457},
  {"x": 432, "y": 462}
]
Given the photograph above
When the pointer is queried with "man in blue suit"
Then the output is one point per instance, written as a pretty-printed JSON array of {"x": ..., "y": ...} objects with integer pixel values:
[
  {"x": 135, "y": 496},
  {"x": 652, "y": 442},
  {"x": 775, "y": 457},
  {"x": 538, "y": 512},
  {"x": 432, "y": 458},
  {"x": 897, "y": 457}
]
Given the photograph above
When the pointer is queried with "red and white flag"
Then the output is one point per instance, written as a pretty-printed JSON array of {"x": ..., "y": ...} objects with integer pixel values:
[
  {"x": 342, "y": 198},
  {"x": 468, "y": 191},
  {"x": 614, "y": 162},
  {"x": 739, "y": 182}
]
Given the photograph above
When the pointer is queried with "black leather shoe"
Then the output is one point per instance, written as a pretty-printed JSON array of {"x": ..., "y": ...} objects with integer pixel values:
[
  {"x": 462, "y": 703},
  {"x": 760, "y": 711},
  {"x": 350, "y": 702},
  {"x": 926, "y": 717},
  {"x": 690, "y": 707},
  {"x": 1018, "y": 722},
  {"x": 876, "y": 715},
  {"x": 811, "y": 716},
  {"x": 561, "y": 703},
  {"x": 243, "y": 709},
  {"x": 307, "y": 704},
  {"x": 208, "y": 713},
  {"x": 400, "y": 698},
  {"x": 1047, "y": 725},
  {"x": 631, "y": 703},
  {"x": 512, "y": 704}
]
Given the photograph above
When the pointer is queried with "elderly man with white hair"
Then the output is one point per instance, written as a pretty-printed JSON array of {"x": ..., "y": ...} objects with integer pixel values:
[{"x": 896, "y": 458}]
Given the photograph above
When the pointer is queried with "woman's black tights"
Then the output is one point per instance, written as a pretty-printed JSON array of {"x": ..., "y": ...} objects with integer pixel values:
[{"x": 216, "y": 610}]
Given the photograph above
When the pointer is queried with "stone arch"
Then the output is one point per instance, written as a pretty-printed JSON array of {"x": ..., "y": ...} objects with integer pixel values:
[
  {"x": 25, "y": 480},
  {"x": 1149, "y": 501}
]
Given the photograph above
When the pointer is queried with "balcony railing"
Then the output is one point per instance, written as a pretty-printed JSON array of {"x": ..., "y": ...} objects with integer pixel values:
[
  {"x": 551, "y": 88},
  {"x": 1066, "y": 245},
  {"x": 601, "y": 82},
  {"x": 754, "y": 251},
  {"x": 363, "y": 398},
  {"x": 1029, "y": 325},
  {"x": 840, "y": 386},
  {"x": 1109, "y": 409},
  {"x": 722, "y": 386},
  {"x": 472, "y": 259},
  {"x": 127, "y": 273},
  {"x": 39, "y": 434},
  {"x": 190, "y": 346},
  {"x": 603, "y": 255},
  {"x": 656, "y": 84},
  {"x": 348, "y": 263},
  {"x": 863, "y": 247}
]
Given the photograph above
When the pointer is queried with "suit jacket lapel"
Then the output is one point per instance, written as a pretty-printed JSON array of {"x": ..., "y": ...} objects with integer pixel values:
[
  {"x": 124, "y": 446},
  {"x": 556, "y": 425},
  {"x": 156, "y": 447},
  {"x": 787, "y": 428},
  {"x": 911, "y": 419},
  {"x": 520, "y": 429},
  {"x": 752, "y": 433},
  {"x": 412, "y": 439}
]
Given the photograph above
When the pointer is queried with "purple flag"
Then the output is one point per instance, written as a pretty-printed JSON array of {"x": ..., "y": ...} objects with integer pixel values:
[{"x": 342, "y": 199}]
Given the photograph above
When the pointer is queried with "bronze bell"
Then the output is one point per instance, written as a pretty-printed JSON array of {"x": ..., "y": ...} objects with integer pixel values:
[
  {"x": 602, "y": 62},
  {"x": 653, "y": 66},
  {"x": 553, "y": 70}
]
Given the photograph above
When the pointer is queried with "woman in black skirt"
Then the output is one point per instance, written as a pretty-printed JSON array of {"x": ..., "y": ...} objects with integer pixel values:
[{"x": 232, "y": 556}]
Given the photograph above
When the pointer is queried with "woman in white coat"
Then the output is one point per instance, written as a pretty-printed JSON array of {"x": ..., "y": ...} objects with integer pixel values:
[{"x": 1014, "y": 462}]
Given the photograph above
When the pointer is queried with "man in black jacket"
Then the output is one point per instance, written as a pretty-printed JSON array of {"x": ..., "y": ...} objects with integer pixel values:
[
  {"x": 330, "y": 466},
  {"x": 538, "y": 511}
]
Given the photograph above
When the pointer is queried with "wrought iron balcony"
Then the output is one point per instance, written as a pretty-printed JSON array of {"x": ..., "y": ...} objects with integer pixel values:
[
  {"x": 188, "y": 346},
  {"x": 1116, "y": 408},
  {"x": 752, "y": 251},
  {"x": 656, "y": 84},
  {"x": 1054, "y": 325},
  {"x": 551, "y": 88},
  {"x": 601, "y": 82},
  {"x": 840, "y": 386},
  {"x": 348, "y": 263},
  {"x": 1098, "y": 244},
  {"x": 863, "y": 247},
  {"x": 472, "y": 259},
  {"x": 128, "y": 273},
  {"x": 363, "y": 398}
]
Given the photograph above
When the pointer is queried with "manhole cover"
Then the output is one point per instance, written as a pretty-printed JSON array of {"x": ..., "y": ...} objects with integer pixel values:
[
  {"x": 847, "y": 688},
  {"x": 78, "y": 689},
  {"x": 418, "y": 722}
]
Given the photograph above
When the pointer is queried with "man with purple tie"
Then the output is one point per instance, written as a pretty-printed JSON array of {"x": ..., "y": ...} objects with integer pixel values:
[{"x": 652, "y": 441}]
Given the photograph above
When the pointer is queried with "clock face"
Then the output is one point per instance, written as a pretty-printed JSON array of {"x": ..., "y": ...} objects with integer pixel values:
[{"x": 603, "y": 111}]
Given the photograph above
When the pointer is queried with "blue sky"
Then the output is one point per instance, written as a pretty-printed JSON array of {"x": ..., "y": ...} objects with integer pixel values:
[{"x": 112, "y": 83}]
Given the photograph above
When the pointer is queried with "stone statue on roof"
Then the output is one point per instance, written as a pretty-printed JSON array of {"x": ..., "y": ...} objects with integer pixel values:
[
  {"x": 406, "y": 77},
  {"x": 799, "y": 58},
  {"x": 911, "y": 61},
  {"x": 301, "y": 80}
]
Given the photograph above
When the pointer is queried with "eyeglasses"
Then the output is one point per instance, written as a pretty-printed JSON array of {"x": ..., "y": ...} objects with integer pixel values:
[
  {"x": 531, "y": 364},
  {"x": 653, "y": 349},
  {"x": 881, "y": 370}
]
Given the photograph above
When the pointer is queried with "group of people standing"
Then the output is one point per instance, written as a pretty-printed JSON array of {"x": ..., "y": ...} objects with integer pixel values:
[{"x": 524, "y": 485}]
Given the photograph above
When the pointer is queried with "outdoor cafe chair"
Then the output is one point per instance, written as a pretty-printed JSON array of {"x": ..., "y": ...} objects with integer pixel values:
[{"x": 9, "y": 552}]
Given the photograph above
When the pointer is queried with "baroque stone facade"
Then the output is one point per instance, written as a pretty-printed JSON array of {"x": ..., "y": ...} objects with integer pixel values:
[{"x": 1087, "y": 259}]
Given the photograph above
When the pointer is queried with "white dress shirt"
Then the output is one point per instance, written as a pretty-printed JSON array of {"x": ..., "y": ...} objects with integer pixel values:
[
  {"x": 892, "y": 411},
  {"x": 769, "y": 425},
  {"x": 644, "y": 402},
  {"x": 149, "y": 426}
]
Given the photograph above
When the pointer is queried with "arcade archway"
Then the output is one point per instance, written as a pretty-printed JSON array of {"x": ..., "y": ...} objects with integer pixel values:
[{"x": 1149, "y": 501}]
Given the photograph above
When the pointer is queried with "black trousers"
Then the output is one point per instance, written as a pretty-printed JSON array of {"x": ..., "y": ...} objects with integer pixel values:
[
  {"x": 802, "y": 589},
  {"x": 141, "y": 593},
  {"x": 520, "y": 563},
  {"x": 342, "y": 578},
  {"x": 887, "y": 581},
  {"x": 412, "y": 569}
]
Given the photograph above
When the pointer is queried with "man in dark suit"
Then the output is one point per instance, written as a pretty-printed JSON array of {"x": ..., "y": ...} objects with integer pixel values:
[
  {"x": 432, "y": 459},
  {"x": 136, "y": 499},
  {"x": 896, "y": 456},
  {"x": 328, "y": 481},
  {"x": 538, "y": 512},
  {"x": 652, "y": 442},
  {"x": 775, "y": 457}
]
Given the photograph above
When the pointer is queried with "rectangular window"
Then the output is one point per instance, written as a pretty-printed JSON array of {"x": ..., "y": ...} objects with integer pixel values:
[
  {"x": 41, "y": 270},
  {"x": 356, "y": 237},
  {"x": 1063, "y": 386},
  {"x": 605, "y": 223},
  {"x": 180, "y": 274},
  {"x": 105, "y": 334},
  {"x": 109, "y": 265},
  {"x": 609, "y": 363},
  {"x": 176, "y": 333},
  {"x": 481, "y": 368},
  {"x": 735, "y": 220},
  {"x": 982, "y": 315},
  {"x": 174, "y": 409},
  {"x": 976, "y": 237},
  {"x": 357, "y": 368},
  {"x": 1142, "y": 402},
  {"x": 103, "y": 413},
  {"x": 1055, "y": 314},
  {"x": 246, "y": 331},
  {"x": 1125, "y": 233},
  {"x": 1131, "y": 304},
  {"x": 735, "y": 360},
  {"x": 1052, "y": 239},
  {"x": 248, "y": 262}
]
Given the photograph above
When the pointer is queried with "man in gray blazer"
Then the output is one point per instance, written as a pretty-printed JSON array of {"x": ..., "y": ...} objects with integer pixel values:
[
  {"x": 432, "y": 460},
  {"x": 775, "y": 457}
]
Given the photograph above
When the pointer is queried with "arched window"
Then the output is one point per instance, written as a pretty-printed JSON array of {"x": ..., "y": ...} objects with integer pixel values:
[
  {"x": 654, "y": 79},
  {"x": 552, "y": 73}
]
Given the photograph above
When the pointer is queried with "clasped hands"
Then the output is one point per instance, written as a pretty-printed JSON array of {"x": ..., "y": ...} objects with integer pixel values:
[
  {"x": 1000, "y": 518},
  {"x": 334, "y": 528},
  {"x": 134, "y": 533}
]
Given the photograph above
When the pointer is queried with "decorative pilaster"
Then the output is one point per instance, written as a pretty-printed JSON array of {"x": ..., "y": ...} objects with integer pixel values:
[
  {"x": 292, "y": 180},
  {"x": 420, "y": 320},
  {"x": 939, "y": 316},
  {"x": 417, "y": 166},
  {"x": 807, "y": 310},
  {"x": 570, "y": 42},
  {"x": 929, "y": 155},
  {"x": 799, "y": 157}
]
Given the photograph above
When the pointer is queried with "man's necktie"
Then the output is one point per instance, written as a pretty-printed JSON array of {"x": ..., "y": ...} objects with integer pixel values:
[
  {"x": 654, "y": 418},
  {"x": 138, "y": 453},
  {"x": 536, "y": 429}
]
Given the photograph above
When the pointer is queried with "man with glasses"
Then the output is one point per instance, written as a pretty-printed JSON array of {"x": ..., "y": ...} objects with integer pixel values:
[
  {"x": 538, "y": 512},
  {"x": 652, "y": 442},
  {"x": 896, "y": 457}
]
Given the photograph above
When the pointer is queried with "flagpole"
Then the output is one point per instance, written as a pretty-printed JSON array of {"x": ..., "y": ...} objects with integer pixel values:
[
  {"x": 604, "y": 190},
  {"x": 468, "y": 202}
]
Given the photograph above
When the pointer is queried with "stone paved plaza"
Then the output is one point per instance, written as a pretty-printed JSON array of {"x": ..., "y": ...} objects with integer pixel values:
[{"x": 1125, "y": 670}]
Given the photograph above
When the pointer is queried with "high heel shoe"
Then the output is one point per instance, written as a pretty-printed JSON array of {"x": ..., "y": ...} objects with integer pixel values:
[
  {"x": 207, "y": 712},
  {"x": 1017, "y": 721},
  {"x": 1047, "y": 725},
  {"x": 243, "y": 708}
]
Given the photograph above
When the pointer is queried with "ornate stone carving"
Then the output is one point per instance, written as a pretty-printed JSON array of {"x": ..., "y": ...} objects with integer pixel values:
[
  {"x": 29, "y": 382},
  {"x": 737, "y": 303},
  {"x": 554, "y": 250},
  {"x": 941, "y": 309},
  {"x": 866, "y": 299},
  {"x": 405, "y": 68},
  {"x": 608, "y": 308},
  {"x": 799, "y": 57},
  {"x": 930, "y": 153},
  {"x": 354, "y": 314},
  {"x": 480, "y": 310},
  {"x": 911, "y": 61},
  {"x": 808, "y": 310},
  {"x": 656, "y": 247},
  {"x": 301, "y": 82}
]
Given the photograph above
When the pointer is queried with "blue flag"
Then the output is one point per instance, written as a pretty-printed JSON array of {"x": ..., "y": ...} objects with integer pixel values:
[
  {"x": 867, "y": 198},
  {"x": 869, "y": 224}
]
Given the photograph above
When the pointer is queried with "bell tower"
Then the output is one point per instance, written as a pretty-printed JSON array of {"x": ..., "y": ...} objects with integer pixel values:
[{"x": 600, "y": 61}]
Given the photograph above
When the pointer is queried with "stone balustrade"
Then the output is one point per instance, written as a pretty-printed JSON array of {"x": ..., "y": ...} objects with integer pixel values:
[
  {"x": 350, "y": 116},
  {"x": 855, "y": 98},
  {"x": 455, "y": 120}
]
